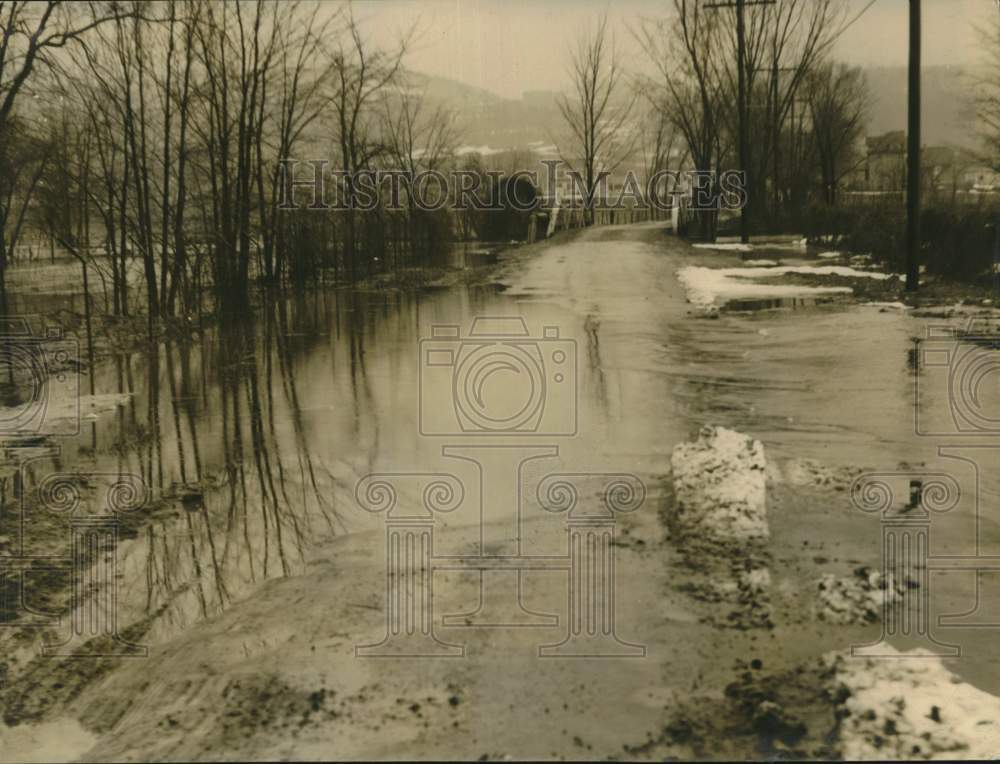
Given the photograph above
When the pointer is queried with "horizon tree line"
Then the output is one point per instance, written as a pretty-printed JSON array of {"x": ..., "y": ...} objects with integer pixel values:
[{"x": 145, "y": 137}]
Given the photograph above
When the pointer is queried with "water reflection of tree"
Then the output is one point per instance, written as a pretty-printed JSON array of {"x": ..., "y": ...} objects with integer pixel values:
[
  {"x": 224, "y": 430},
  {"x": 251, "y": 516}
]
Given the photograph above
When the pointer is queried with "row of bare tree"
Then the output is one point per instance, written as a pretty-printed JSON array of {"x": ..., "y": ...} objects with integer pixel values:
[
  {"x": 988, "y": 95},
  {"x": 145, "y": 138},
  {"x": 805, "y": 112}
]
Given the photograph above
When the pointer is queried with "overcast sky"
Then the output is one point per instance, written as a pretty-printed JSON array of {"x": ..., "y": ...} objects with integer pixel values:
[{"x": 509, "y": 46}]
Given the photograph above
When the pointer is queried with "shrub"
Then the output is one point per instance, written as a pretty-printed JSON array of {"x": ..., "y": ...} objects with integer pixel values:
[
  {"x": 509, "y": 222},
  {"x": 958, "y": 238}
]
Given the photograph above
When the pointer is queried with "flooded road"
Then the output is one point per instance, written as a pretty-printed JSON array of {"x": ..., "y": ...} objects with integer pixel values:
[{"x": 261, "y": 580}]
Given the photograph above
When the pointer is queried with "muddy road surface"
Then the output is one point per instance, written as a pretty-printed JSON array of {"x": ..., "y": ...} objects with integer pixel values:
[{"x": 437, "y": 524}]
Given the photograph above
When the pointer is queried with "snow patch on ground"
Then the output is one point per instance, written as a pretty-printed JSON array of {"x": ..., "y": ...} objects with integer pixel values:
[
  {"x": 861, "y": 598},
  {"x": 92, "y": 406},
  {"x": 62, "y": 412},
  {"x": 760, "y": 263},
  {"x": 794, "y": 244},
  {"x": 810, "y": 473},
  {"x": 720, "y": 486},
  {"x": 831, "y": 255},
  {"x": 708, "y": 286},
  {"x": 62, "y": 740},
  {"x": 888, "y": 305},
  {"x": 909, "y": 706},
  {"x": 737, "y": 246},
  {"x": 725, "y": 247}
]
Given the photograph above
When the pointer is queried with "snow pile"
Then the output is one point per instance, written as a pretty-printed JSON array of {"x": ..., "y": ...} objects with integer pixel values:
[
  {"x": 705, "y": 286},
  {"x": 909, "y": 706},
  {"x": 720, "y": 486},
  {"x": 860, "y": 598}
]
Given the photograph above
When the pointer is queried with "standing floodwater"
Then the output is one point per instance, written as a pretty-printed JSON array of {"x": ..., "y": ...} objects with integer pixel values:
[{"x": 252, "y": 438}]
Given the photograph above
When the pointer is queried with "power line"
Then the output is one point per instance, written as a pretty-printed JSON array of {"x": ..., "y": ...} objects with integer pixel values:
[
  {"x": 913, "y": 155},
  {"x": 742, "y": 106}
]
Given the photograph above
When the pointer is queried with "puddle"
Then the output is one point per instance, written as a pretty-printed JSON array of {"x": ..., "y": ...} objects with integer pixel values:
[
  {"x": 776, "y": 303},
  {"x": 711, "y": 288},
  {"x": 478, "y": 255},
  {"x": 269, "y": 425}
]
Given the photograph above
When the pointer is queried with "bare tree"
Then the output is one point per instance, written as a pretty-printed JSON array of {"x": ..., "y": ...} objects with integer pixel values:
[
  {"x": 660, "y": 140},
  {"x": 237, "y": 46},
  {"x": 359, "y": 73},
  {"x": 785, "y": 41},
  {"x": 988, "y": 96},
  {"x": 684, "y": 50},
  {"x": 695, "y": 52},
  {"x": 838, "y": 101},
  {"x": 418, "y": 138},
  {"x": 63, "y": 201},
  {"x": 187, "y": 109},
  {"x": 30, "y": 32},
  {"x": 23, "y": 159},
  {"x": 301, "y": 97},
  {"x": 597, "y": 112}
]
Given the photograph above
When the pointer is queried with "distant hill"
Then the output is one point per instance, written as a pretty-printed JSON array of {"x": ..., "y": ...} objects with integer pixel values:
[
  {"x": 487, "y": 119},
  {"x": 457, "y": 95},
  {"x": 948, "y": 116}
]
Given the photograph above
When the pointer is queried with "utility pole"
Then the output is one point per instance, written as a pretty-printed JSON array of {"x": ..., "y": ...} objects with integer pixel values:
[
  {"x": 741, "y": 101},
  {"x": 741, "y": 57},
  {"x": 913, "y": 155}
]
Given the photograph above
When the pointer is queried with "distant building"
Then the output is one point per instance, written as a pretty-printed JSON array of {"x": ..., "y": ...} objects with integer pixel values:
[
  {"x": 941, "y": 168},
  {"x": 944, "y": 169},
  {"x": 981, "y": 179},
  {"x": 885, "y": 162}
]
